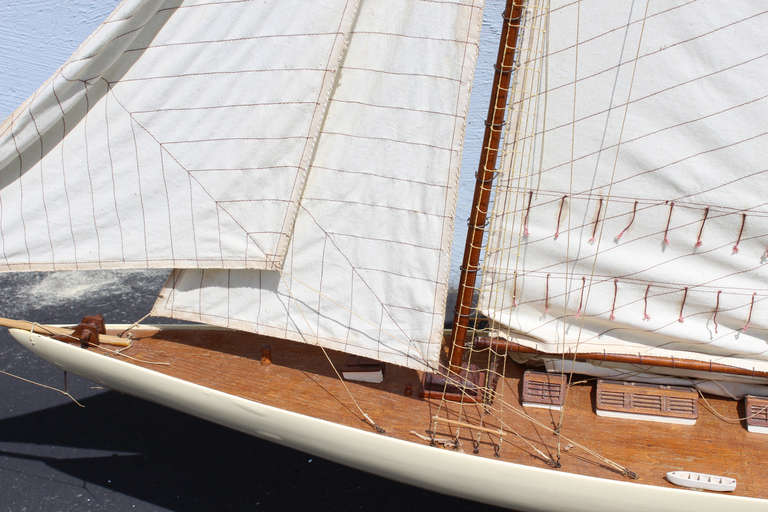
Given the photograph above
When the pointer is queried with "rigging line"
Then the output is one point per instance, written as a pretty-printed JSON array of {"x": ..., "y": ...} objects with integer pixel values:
[
  {"x": 570, "y": 192},
  {"x": 717, "y": 308},
  {"x": 556, "y": 196},
  {"x": 610, "y": 31},
  {"x": 719, "y": 416},
  {"x": 749, "y": 315},
  {"x": 671, "y": 291},
  {"x": 191, "y": 177},
  {"x": 517, "y": 146},
  {"x": 623, "y": 469},
  {"x": 365, "y": 416},
  {"x": 134, "y": 324},
  {"x": 659, "y": 130},
  {"x": 631, "y": 220},
  {"x": 664, "y": 48},
  {"x": 439, "y": 303},
  {"x": 374, "y": 324},
  {"x": 648, "y": 203},
  {"x": 368, "y": 419},
  {"x": 544, "y": 74},
  {"x": 61, "y": 391},
  {"x": 515, "y": 151},
  {"x": 548, "y": 459},
  {"x": 741, "y": 232},
  {"x": 520, "y": 146},
  {"x": 701, "y": 228},
  {"x": 649, "y": 348},
  {"x": 613, "y": 174},
  {"x": 118, "y": 352},
  {"x": 516, "y": 115},
  {"x": 670, "y": 285},
  {"x": 649, "y": 235},
  {"x": 666, "y": 89},
  {"x": 506, "y": 63},
  {"x": 356, "y": 272}
]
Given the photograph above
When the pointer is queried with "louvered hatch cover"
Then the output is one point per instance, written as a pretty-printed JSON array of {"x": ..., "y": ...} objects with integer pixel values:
[
  {"x": 543, "y": 388},
  {"x": 650, "y": 399},
  {"x": 756, "y": 408}
]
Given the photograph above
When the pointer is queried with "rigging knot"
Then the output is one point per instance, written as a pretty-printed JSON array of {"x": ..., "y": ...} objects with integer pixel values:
[{"x": 376, "y": 427}]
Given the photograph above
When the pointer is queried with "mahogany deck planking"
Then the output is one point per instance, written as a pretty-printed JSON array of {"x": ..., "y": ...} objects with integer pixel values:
[{"x": 300, "y": 379}]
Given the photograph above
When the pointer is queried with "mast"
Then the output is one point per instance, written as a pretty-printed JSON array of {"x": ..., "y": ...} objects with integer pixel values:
[{"x": 484, "y": 178}]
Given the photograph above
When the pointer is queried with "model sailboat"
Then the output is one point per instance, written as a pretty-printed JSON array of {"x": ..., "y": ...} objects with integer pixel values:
[{"x": 298, "y": 168}]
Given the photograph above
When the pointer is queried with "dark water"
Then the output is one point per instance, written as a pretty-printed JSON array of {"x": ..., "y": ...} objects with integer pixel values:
[{"x": 123, "y": 453}]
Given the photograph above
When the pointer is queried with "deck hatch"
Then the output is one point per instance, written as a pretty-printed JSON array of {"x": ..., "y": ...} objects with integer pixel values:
[
  {"x": 756, "y": 408},
  {"x": 543, "y": 389},
  {"x": 647, "y": 399}
]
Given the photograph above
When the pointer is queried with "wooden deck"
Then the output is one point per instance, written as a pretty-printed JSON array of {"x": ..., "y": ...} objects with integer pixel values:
[{"x": 300, "y": 379}]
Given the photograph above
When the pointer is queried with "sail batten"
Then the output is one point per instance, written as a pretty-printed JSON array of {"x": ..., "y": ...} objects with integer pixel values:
[
  {"x": 367, "y": 267},
  {"x": 628, "y": 217},
  {"x": 158, "y": 95}
]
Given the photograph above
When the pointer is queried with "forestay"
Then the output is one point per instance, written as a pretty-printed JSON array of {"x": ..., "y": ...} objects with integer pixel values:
[
  {"x": 178, "y": 135},
  {"x": 368, "y": 265},
  {"x": 630, "y": 215}
]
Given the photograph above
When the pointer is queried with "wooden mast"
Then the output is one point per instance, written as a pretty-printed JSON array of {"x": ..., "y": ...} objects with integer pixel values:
[{"x": 485, "y": 174}]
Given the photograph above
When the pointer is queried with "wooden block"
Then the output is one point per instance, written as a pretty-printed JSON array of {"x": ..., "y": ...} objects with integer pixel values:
[
  {"x": 756, "y": 408},
  {"x": 542, "y": 389},
  {"x": 648, "y": 402}
]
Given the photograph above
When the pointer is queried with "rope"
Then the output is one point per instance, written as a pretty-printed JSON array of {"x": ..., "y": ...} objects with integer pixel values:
[
  {"x": 725, "y": 418},
  {"x": 610, "y": 187},
  {"x": 555, "y": 431},
  {"x": 60, "y": 391},
  {"x": 368, "y": 419},
  {"x": 134, "y": 324},
  {"x": 120, "y": 353},
  {"x": 114, "y": 352}
]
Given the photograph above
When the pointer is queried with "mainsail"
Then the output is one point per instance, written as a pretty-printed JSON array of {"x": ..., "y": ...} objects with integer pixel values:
[
  {"x": 368, "y": 264},
  {"x": 178, "y": 135},
  {"x": 629, "y": 215}
]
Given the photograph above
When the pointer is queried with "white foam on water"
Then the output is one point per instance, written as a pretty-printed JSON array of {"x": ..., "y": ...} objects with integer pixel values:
[{"x": 59, "y": 287}]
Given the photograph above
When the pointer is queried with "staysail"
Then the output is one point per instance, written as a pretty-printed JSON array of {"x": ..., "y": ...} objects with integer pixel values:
[
  {"x": 178, "y": 135},
  {"x": 368, "y": 265},
  {"x": 630, "y": 213}
]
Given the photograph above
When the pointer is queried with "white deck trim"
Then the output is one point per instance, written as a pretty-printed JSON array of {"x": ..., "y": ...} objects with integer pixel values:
[
  {"x": 645, "y": 417},
  {"x": 543, "y": 406},
  {"x": 757, "y": 429}
]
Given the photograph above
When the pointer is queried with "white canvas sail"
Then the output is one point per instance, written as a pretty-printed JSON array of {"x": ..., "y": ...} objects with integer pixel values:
[
  {"x": 178, "y": 135},
  {"x": 368, "y": 266},
  {"x": 630, "y": 216}
]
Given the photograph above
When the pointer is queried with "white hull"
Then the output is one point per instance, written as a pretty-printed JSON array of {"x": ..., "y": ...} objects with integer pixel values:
[{"x": 486, "y": 480}]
